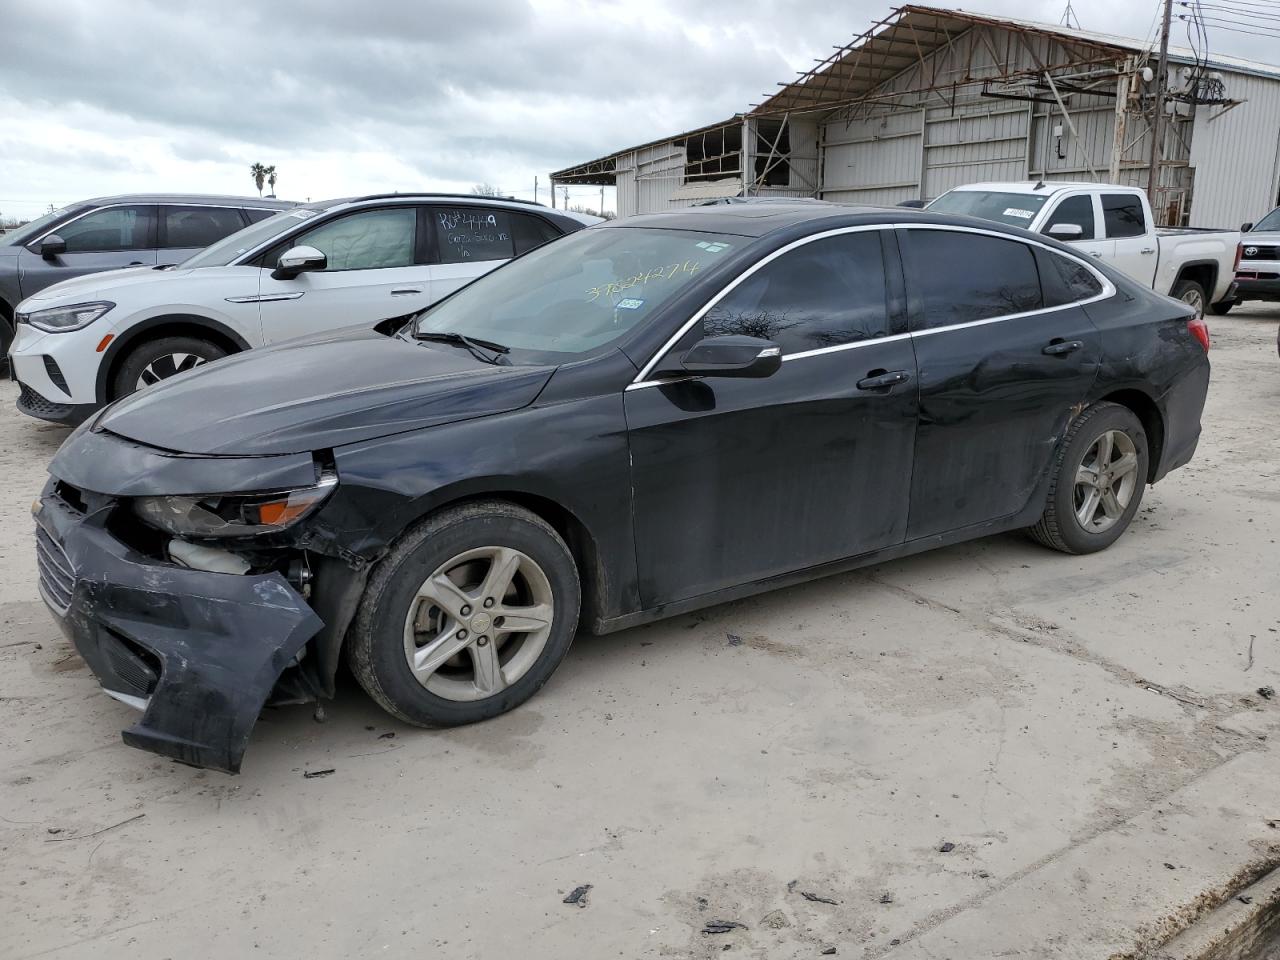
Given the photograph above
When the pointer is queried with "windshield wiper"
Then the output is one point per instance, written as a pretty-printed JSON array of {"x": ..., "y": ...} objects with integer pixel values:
[{"x": 476, "y": 346}]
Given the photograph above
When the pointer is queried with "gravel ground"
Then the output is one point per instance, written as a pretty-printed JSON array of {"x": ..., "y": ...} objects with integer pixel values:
[{"x": 1081, "y": 736}]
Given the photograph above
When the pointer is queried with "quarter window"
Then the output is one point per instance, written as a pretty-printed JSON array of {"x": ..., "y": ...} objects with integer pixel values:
[
  {"x": 464, "y": 234},
  {"x": 198, "y": 226},
  {"x": 368, "y": 240},
  {"x": 1123, "y": 215},
  {"x": 962, "y": 277},
  {"x": 822, "y": 294},
  {"x": 1077, "y": 210},
  {"x": 1065, "y": 280},
  {"x": 529, "y": 231},
  {"x": 110, "y": 229}
]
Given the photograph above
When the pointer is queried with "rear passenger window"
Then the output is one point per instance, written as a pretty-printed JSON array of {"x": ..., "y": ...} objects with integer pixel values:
[
  {"x": 529, "y": 231},
  {"x": 962, "y": 277},
  {"x": 1077, "y": 210},
  {"x": 1123, "y": 215},
  {"x": 197, "y": 226},
  {"x": 1065, "y": 280},
  {"x": 823, "y": 294},
  {"x": 464, "y": 234}
]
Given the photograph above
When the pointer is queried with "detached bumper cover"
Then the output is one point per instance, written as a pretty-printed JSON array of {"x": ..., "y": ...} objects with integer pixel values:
[{"x": 203, "y": 650}]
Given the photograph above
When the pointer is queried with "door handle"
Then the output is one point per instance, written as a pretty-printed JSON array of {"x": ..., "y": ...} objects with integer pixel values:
[
  {"x": 407, "y": 291},
  {"x": 1060, "y": 348},
  {"x": 880, "y": 379},
  {"x": 136, "y": 263},
  {"x": 1097, "y": 255},
  {"x": 1147, "y": 250}
]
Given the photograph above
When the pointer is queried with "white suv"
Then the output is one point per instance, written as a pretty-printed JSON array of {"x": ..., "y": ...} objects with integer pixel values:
[{"x": 84, "y": 342}]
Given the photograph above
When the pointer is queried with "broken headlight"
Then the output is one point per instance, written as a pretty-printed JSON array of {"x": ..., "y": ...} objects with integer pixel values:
[{"x": 233, "y": 515}]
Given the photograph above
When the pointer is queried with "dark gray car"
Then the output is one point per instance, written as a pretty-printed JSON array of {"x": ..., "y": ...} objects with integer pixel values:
[{"x": 111, "y": 232}]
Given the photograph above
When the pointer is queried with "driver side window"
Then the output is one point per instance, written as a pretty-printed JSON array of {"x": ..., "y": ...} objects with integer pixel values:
[
  {"x": 1077, "y": 210},
  {"x": 110, "y": 229},
  {"x": 368, "y": 240}
]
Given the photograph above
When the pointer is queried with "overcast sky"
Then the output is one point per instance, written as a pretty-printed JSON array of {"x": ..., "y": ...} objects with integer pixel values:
[{"x": 343, "y": 96}]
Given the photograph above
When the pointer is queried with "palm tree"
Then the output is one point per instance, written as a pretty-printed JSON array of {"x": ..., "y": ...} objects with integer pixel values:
[
  {"x": 259, "y": 174},
  {"x": 271, "y": 178}
]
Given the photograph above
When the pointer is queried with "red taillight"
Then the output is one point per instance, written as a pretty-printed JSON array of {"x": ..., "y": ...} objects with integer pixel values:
[
  {"x": 1200, "y": 330},
  {"x": 1239, "y": 250}
]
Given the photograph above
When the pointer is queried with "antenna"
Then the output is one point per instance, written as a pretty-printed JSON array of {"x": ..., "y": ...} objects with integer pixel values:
[{"x": 1068, "y": 15}]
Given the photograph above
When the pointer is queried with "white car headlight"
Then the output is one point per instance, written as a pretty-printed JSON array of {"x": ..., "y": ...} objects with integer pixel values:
[
  {"x": 233, "y": 515},
  {"x": 61, "y": 319}
]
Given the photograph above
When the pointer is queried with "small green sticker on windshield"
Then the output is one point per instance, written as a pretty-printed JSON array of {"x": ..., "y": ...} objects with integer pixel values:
[{"x": 712, "y": 246}]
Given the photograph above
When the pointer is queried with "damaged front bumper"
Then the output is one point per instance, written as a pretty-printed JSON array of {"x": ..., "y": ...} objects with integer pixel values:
[{"x": 199, "y": 652}]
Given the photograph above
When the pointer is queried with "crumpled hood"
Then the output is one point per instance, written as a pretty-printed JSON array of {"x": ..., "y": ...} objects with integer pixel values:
[
  {"x": 98, "y": 286},
  {"x": 319, "y": 392}
]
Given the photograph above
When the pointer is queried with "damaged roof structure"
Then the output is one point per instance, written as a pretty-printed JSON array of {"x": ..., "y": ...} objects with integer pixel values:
[{"x": 929, "y": 98}]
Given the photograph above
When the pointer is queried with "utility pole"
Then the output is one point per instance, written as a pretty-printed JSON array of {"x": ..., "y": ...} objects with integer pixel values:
[
  {"x": 535, "y": 188},
  {"x": 601, "y": 210},
  {"x": 1157, "y": 121}
]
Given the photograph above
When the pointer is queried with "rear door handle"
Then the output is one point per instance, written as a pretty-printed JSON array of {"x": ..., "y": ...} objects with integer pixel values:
[
  {"x": 405, "y": 292},
  {"x": 1147, "y": 250},
  {"x": 879, "y": 379},
  {"x": 1060, "y": 348}
]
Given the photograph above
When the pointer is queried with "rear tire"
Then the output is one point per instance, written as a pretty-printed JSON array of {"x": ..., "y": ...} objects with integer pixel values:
[
  {"x": 1100, "y": 474},
  {"x": 1222, "y": 309},
  {"x": 156, "y": 360},
  {"x": 1192, "y": 294},
  {"x": 433, "y": 640}
]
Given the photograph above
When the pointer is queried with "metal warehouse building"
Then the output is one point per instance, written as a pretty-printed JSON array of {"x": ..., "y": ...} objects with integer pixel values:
[{"x": 928, "y": 99}]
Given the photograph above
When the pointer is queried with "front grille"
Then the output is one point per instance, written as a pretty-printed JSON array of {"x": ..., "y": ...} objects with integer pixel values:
[
  {"x": 1253, "y": 251},
  {"x": 130, "y": 665},
  {"x": 1253, "y": 275},
  {"x": 57, "y": 578},
  {"x": 32, "y": 401},
  {"x": 55, "y": 374}
]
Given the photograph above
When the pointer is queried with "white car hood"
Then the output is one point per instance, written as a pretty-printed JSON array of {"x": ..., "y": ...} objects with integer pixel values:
[{"x": 96, "y": 286}]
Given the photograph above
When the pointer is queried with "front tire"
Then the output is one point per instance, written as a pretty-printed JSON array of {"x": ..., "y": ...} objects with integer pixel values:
[
  {"x": 1100, "y": 474},
  {"x": 156, "y": 360},
  {"x": 467, "y": 617}
]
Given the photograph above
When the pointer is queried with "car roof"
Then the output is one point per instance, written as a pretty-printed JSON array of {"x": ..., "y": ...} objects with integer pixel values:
[
  {"x": 194, "y": 198},
  {"x": 1042, "y": 188},
  {"x": 464, "y": 199}
]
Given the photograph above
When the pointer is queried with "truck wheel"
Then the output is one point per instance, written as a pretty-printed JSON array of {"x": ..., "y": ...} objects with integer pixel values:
[
  {"x": 157, "y": 360},
  {"x": 1099, "y": 477},
  {"x": 1190, "y": 293},
  {"x": 1222, "y": 309},
  {"x": 467, "y": 616}
]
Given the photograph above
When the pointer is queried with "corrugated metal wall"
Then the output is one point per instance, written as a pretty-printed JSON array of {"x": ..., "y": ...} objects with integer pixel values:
[
  {"x": 1236, "y": 154},
  {"x": 648, "y": 177}
]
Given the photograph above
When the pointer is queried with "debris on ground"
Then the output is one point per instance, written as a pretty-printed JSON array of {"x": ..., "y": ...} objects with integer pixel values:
[
  {"x": 53, "y": 830},
  {"x": 815, "y": 898},
  {"x": 722, "y": 926},
  {"x": 886, "y": 897},
  {"x": 947, "y": 847},
  {"x": 1266, "y": 693},
  {"x": 702, "y": 903},
  {"x": 734, "y": 640},
  {"x": 828, "y": 951},
  {"x": 389, "y": 735},
  {"x": 1170, "y": 866},
  {"x": 776, "y": 920},
  {"x": 894, "y": 942},
  {"x": 578, "y": 895},
  {"x": 319, "y": 715},
  {"x": 86, "y": 836},
  {"x": 312, "y": 774},
  {"x": 1243, "y": 899}
]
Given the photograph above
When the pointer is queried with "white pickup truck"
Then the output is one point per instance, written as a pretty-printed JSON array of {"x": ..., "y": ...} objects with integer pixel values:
[{"x": 1113, "y": 224}]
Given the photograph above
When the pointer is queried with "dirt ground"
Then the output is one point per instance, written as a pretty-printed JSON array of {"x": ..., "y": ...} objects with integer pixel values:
[{"x": 1086, "y": 732}]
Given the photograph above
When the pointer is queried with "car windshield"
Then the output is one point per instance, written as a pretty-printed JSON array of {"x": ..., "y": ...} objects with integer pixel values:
[
  {"x": 229, "y": 248},
  {"x": 1015, "y": 209},
  {"x": 580, "y": 293},
  {"x": 20, "y": 235},
  {"x": 1270, "y": 223}
]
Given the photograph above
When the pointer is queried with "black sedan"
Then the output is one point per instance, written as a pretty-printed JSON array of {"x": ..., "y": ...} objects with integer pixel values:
[{"x": 641, "y": 419}]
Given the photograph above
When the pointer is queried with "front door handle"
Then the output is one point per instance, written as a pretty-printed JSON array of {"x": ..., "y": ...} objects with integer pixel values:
[
  {"x": 1095, "y": 254},
  {"x": 136, "y": 263},
  {"x": 405, "y": 292},
  {"x": 1147, "y": 250},
  {"x": 880, "y": 379},
  {"x": 1060, "y": 348}
]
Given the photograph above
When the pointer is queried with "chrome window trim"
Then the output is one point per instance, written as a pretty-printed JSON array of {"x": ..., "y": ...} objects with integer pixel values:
[
  {"x": 216, "y": 205},
  {"x": 1108, "y": 291}
]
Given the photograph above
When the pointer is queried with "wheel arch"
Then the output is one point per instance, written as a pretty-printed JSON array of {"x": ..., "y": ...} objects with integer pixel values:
[
  {"x": 1148, "y": 412},
  {"x": 166, "y": 325},
  {"x": 1203, "y": 272}
]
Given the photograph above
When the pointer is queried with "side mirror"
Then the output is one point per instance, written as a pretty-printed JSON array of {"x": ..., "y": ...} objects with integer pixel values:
[
  {"x": 52, "y": 246},
  {"x": 1066, "y": 231},
  {"x": 298, "y": 260},
  {"x": 732, "y": 355},
  {"x": 1246, "y": 227}
]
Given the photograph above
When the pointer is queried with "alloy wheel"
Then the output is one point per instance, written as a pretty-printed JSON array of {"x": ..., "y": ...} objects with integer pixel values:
[
  {"x": 478, "y": 623},
  {"x": 1105, "y": 481},
  {"x": 1194, "y": 299},
  {"x": 162, "y": 368}
]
